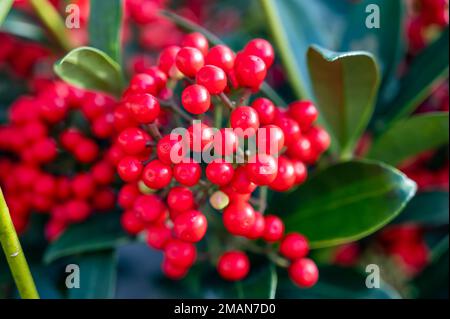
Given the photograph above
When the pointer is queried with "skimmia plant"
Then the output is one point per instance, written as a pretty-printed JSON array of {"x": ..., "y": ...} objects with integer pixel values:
[{"x": 245, "y": 188}]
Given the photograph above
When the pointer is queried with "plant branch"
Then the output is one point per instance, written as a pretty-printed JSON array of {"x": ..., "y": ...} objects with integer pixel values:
[
  {"x": 53, "y": 22},
  {"x": 14, "y": 254},
  {"x": 170, "y": 104},
  {"x": 226, "y": 101}
]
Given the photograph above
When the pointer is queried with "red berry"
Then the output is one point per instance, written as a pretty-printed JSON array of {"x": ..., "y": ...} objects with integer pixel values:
[
  {"x": 196, "y": 99},
  {"x": 133, "y": 141},
  {"x": 103, "y": 173},
  {"x": 167, "y": 147},
  {"x": 144, "y": 107},
  {"x": 302, "y": 150},
  {"x": 196, "y": 40},
  {"x": 241, "y": 183},
  {"x": 233, "y": 265},
  {"x": 250, "y": 71},
  {"x": 157, "y": 175},
  {"x": 167, "y": 58},
  {"x": 304, "y": 273},
  {"x": 187, "y": 174},
  {"x": 189, "y": 60},
  {"x": 274, "y": 228},
  {"x": 212, "y": 78},
  {"x": 179, "y": 253},
  {"x": 180, "y": 199},
  {"x": 104, "y": 200},
  {"x": 158, "y": 236},
  {"x": 77, "y": 211},
  {"x": 200, "y": 136},
  {"x": 123, "y": 118},
  {"x": 159, "y": 76},
  {"x": 265, "y": 109},
  {"x": 225, "y": 142},
  {"x": 270, "y": 140},
  {"x": 83, "y": 186},
  {"x": 219, "y": 172},
  {"x": 245, "y": 117},
  {"x": 221, "y": 56},
  {"x": 258, "y": 227},
  {"x": 148, "y": 208},
  {"x": 294, "y": 246},
  {"x": 301, "y": 172},
  {"x": 304, "y": 112},
  {"x": 239, "y": 218},
  {"x": 190, "y": 226},
  {"x": 131, "y": 222},
  {"x": 285, "y": 176},
  {"x": 86, "y": 151},
  {"x": 128, "y": 195},
  {"x": 172, "y": 271},
  {"x": 44, "y": 150},
  {"x": 262, "y": 169},
  {"x": 129, "y": 169},
  {"x": 70, "y": 138},
  {"x": 261, "y": 48}
]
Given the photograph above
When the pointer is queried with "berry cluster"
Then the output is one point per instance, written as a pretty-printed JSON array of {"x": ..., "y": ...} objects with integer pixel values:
[
  {"x": 426, "y": 15},
  {"x": 164, "y": 193},
  {"x": 52, "y": 166}
]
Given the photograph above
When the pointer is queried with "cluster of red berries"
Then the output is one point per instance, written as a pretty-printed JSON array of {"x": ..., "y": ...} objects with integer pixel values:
[
  {"x": 426, "y": 15},
  {"x": 49, "y": 165},
  {"x": 163, "y": 194}
]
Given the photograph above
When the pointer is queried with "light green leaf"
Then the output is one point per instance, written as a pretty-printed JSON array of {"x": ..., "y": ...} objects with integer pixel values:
[
  {"x": 91, "y": 69},
  {"x": 345, "y": 202},
  {"x": 409, "y": 137},
  {"x": 5, "y": 6},
  {"x": 345, "y": 86}
]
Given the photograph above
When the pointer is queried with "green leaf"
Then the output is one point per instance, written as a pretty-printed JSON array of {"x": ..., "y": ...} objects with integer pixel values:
[
  {"x": 188, "y": 25},
  {"x": 410, "y": 137},
  {"x": 98, "y": 274},
  {"x": 91, "y": 69},
  {"x": 5, "y": 6},
  {"x": 427, "y": 69},
  {"x": 336, "y": 283},
  {"x": 345, "y": 202},
  {"x": 100, "y": 232},
  {"x": 105, "y": 26},
  {"x": 427, "y": 208},
  {"x": 345, "y": 86}
]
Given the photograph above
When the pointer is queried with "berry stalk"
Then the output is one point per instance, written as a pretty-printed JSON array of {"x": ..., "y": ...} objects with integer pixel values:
[{"x": 14, "y": 254}]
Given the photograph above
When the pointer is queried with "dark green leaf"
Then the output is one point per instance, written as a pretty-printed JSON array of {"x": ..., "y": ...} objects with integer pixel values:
[
  {"x": 105, "y": 26},
  {"x": 336, "y": 283},
  {"x": 91, "y": 69},
  {"x": 23, "y": 26},
  {"x": 345, "y": 86},
  {"x": 102, "y": 231},
  {"x": 5, "y": 6},
  {"x": 345, "y": 202},
  {"x": 427, "y": 69},
  {"x": 98, "y": 274},
  {"x": 410, "y": 137}
]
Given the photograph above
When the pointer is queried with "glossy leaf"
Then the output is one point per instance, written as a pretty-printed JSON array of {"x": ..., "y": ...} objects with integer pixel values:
[
  {"x": 105, "y": 26},
  {"x": 91, "y": 69},
  {"x": 5, "y": 6},
  {"x": 98, "y": 233},
  {"x": 345, "y": 87},
  {"x": 427, "y": 208},
  {"x": 98, "y": 274},
  {"x": 345, "y": 202},
  {"x": 427, "y": 69},
  {"x": 410, "y": 137}
]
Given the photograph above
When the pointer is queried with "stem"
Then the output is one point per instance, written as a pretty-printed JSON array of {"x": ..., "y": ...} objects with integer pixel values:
[
  {"x": 14, "y": 254},
  {"x": 218, "y": 116},
  {"x": 262, "y": 199},
  {"x": 53, "y": 22},
  {"x": 154, "y": 131},
  {"x": 245, "y": 97},
  {"x": 225, "y": 100}
]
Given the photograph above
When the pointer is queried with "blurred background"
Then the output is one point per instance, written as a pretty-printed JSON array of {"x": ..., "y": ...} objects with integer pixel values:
[{"x": 412, "y": 250}]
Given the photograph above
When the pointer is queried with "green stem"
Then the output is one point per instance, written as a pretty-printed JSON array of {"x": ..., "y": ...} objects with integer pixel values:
[
  {"x": 53, "y": 22},
  {"x": 14, "y": 254}
]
